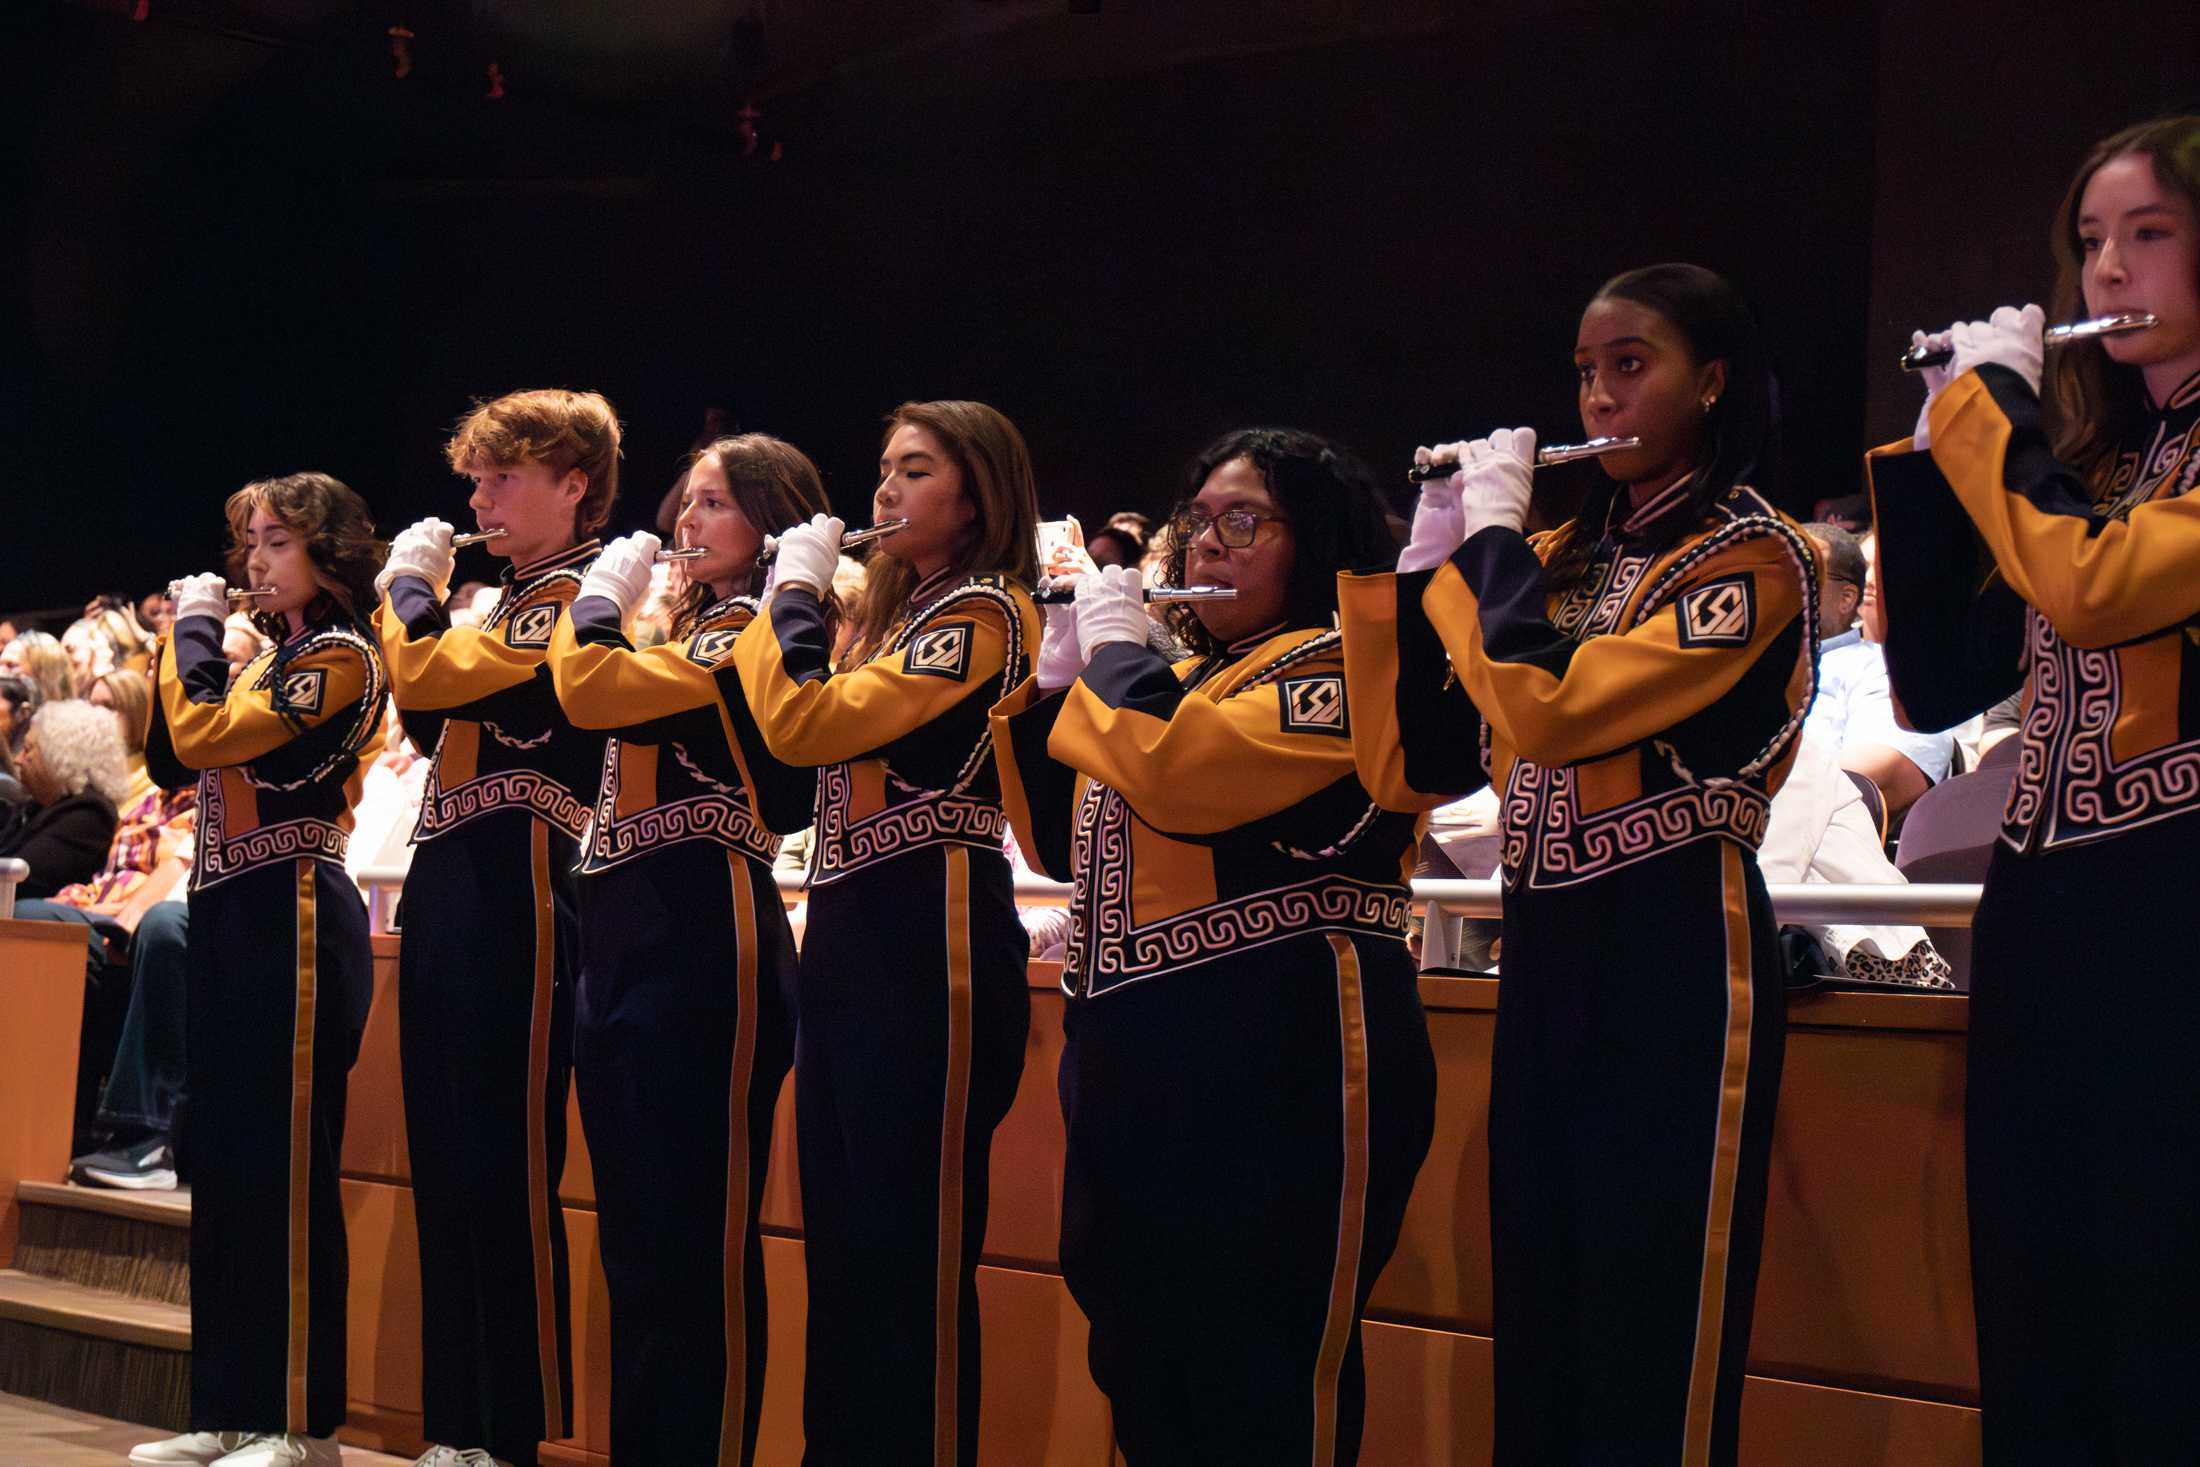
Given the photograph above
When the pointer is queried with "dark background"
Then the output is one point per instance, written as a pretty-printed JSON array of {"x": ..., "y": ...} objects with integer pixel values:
[{"x": 236, "y": 244}]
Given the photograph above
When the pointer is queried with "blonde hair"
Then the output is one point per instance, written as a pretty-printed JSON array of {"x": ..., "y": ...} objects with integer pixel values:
[
  {"x": 132, "y": 693},
  {"x": 551, "y": 426},
  {"x": 46, "y": 664}
]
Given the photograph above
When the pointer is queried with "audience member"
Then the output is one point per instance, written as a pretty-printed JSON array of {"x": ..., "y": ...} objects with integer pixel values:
[
  {"x": 40, "y": 657},
  {"x": 1853, "y": 714},
  {"x": 74, "y": 769}
]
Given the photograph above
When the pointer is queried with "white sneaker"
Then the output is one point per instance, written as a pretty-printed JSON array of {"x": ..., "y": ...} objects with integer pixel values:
[
  {"x": 192, "y": 1449},
  {"x": 453, "y": 1457},
  {"x": 283, "y": 1449}
]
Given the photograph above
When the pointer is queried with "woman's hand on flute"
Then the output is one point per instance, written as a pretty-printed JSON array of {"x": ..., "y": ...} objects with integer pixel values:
[
  {"x": 808, "y": 555},
  {"x": 1110, "y": 607},
  {"x": 1439, "y": 527},
  {"x": 2010, "y": 338},
  {"x": 204, "y": 595},
  {"x": 1496, "y": 477},
  {"x": 423, "y": 551},
  {"x": 620, "y": 573},
  {"x": 1935, "y": 379}
]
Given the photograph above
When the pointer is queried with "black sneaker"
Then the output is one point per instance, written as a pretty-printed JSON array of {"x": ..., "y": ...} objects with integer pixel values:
[{"x": 147, "y": 1166}]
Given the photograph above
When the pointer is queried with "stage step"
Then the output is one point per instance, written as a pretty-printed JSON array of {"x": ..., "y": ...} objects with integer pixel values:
[
  {"x": 133, "y": 1245},
  {"x": 40, "y": 1434},
  {"x": 92, "y": 1350}
]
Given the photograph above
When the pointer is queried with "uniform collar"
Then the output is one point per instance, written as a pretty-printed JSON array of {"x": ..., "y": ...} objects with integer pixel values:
[
  {"x": 574, "y": 555},
  {"x": 1641, "y": 518}
]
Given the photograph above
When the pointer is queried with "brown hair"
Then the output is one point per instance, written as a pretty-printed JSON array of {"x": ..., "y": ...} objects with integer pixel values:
[
  {"x": 547, "y": 425},
  {"x": 132, "y": 693},
  {"x": 2096, "y": 402},
  {"x": 775, "y": 486},
  {"x": 996, "y": 479},
  {"x": 339, "y": 536}
]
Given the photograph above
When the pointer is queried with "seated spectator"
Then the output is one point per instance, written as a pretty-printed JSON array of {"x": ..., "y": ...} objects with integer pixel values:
[
  {"x": 241, "y": 641},
  {"x": 1820, "y": 831},
  {"x": 18, "y": 701},
  {"x": 1112, "y": 546},
  {"x": 74, "y": 769},
  {"x": 41, "y": 658},
  {"x": 150, "y": 820},
  {"x": 1853, "y": 714}
]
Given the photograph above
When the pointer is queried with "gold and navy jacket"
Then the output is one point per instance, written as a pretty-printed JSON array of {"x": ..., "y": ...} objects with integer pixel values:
[
  {"x": 1202, "y": 809},
  {"x": 2090, "y": 603},
  {"x": 1655, "y": 703},
  {"x": 901, "y": 742},
  {"x": 280, "y": 750},
  {"x": 684, "y": 761},
  {"x": 482, "y": 700}
]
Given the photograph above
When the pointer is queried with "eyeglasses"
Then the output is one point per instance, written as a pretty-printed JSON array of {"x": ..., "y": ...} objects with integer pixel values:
[{"x": 1235, "y": 529}]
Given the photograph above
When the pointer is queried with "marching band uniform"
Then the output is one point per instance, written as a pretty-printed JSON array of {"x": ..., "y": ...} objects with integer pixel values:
[
  {"x": 2083, "y": 1160},
  {"x": 1637, "y": 726},
  {"x": 684, "y": 1020},
  {"x": 913, "y": 1000},
  {"x": 485, "y": 999},
  {"x": 1247, "y": 1082},
  {"x": 281, "y": 978}
]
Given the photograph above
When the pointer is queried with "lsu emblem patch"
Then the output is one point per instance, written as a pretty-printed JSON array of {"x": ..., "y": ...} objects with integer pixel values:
[
  {"x": 302, "y": 691},
  {"x": 531, "y": 626},
  {"x": 941, "y": 652},
  {"x": 1721, "y": 613},
  {"x": 710, "y": 648},
  {"x": 1314, "y": 705}
]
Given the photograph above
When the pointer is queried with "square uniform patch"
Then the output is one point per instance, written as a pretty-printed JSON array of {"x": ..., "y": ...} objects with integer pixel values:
[
  {"x": 303, "y": 691},
  {"x": 1314, "y": 705},
  {"x": 1721, "y": 613},
  {"x": 531, "y": 626},
  {"x": 710, "y": 648},
  {"x": 941, "y": 652}
]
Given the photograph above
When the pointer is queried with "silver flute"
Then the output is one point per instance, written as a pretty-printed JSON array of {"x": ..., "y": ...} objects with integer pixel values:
[
  {"x": 685, "y": 552},
  {"x": 1916, "y": 359},
  {"x": 460, "y": 542},
  {"x": 883, "y": 528},
  {"x": 1155, "y": 595},
  {"x": 1557, "y": 453}
]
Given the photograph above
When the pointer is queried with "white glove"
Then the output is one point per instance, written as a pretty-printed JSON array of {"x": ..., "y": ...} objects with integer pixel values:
[
  {"x": 1934, "y": 378},
  {"x": 1496, "y": 479},
  {"x": 621, "y": 570},
  {"x": 201, "y": 596},
  {"x": 807, "y": 555},
  {"x": 1061, "y": 655},
  {"x": 423, "y": 551},
  {"x": 2009, "y": 338},
  {"x": 1438, "y": 526},
  {"x": 1111, "y": 607}
]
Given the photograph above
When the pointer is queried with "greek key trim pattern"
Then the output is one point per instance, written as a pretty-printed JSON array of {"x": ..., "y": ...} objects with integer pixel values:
[
  {"x": 2070, "y": 789},
  {"x": 845, "y": 845},
  {"x": 722, "y": 816},
  {"x": 222, "y": 855},
  {"x": 445, "y": 810}
]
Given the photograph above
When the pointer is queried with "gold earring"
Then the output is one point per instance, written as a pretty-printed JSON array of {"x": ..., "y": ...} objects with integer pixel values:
[{"x": 1707, "y": 403}]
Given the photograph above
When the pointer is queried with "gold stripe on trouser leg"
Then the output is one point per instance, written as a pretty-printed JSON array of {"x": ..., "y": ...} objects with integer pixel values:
[
  {"x": 954, "y": 1109},
  {"x": 1726, "y": 1153},
  {"x": 301, "y": 1149},
  {"x": 1344, "y": 1275},
  {"x": 734, "y": 1410},
  {"x": 539, "y": 1180}
]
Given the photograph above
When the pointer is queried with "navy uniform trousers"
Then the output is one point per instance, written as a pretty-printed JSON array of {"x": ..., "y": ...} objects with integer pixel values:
[
  {"x": 915, "y": 1007},
  {"x": 683, "y": 1033},
  {"x": 2082, "y": 1151},
  {"x": 1641, "y": 1024},
  {"x": 484, "y": 977},
  {"x": 281, "y": 975},
  {"x": 1243, "y": 1138}
]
